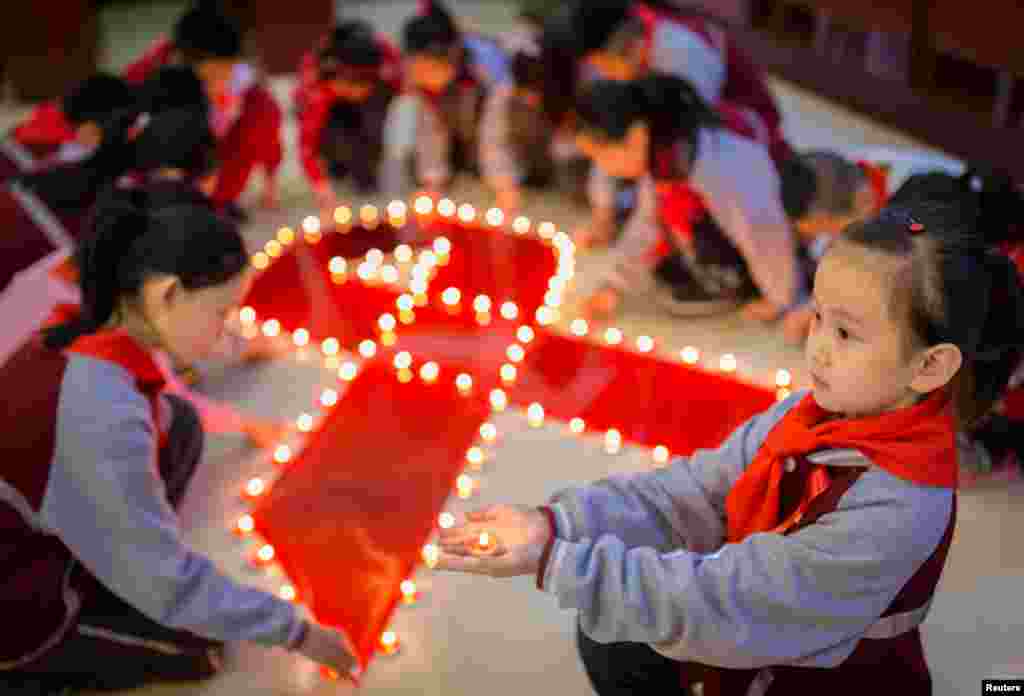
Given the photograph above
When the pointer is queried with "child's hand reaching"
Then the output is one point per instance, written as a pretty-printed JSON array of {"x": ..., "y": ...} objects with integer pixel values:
[
  {"x": 762, "y": 310},
  {"x": 602, "y": 303},
  {"x": 509, "y": 199},
  {"x": 514, "y": 538},
  {"x": 330, "y": 648}
]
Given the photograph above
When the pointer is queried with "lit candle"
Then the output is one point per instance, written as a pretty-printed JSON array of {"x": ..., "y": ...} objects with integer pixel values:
[
  {"x": 245, "y": 525},
  {"x": 305, "y": 421},
  {"x": 612, "y": 441},
  {"x": 515, "y": 353},
  {"x": 287, "y": 593},
  {"x": 727, "y": 363},
  {"x": 451, "y": 296},
  {"x": 429, "y": 372},
  {"x": 264, "y": 555},
  {"x": 330, "y": 346},
  {"x": 508, "y": 373},
  {"x": 495, "y": 217},
  {"x": 300, "y": 338},
  {"x": 467, "y": 213},
  {"x": 311, "y": 224},
  {"x": 464, "y": 383},
  {"x": 645, "y": 344},
  {"x": 273, "y": 248},
  {"x": 521, "y": 225},
  {"x": 488, "y": 432},
  {"x": 247, "y": 315},
  {"x": 690, "y": 355},
  {"x": 337, "y": 265},
  {"x": 430, "y": 555},
  {"x": 446, "y": 520},
  {"x": 442, "y": 246},
  {"x": 465, "y": 486},
  {"x": 367, "y": 349},
  {"x": 660, "y": 454},
  {"x": 577, "y": 425},
  {"x": 446, "y": 207},
  {"x": 282, "y": 454},
  {"x": 499, "y": 399},
  {"x": 612, "y": 336},
  {"x": 343, "y": 215},
  {"x": 524, "y": 333},
  {"x": 348, "y": 371},
  {"x": 482, "y": 303},
  {"x": 403, "y": 253},
  {"x": 546, "y": 230},
  {"x": 260, "y": 260},
  {"x": 509, "y": 310},
  {"x": 286, "y": 235},
  {"x": 423, "y": 205},
  {"x": 403, "y": 360},
  {"x": 404, "y": 303},
  {"x": 255, "y": 487},
  {"x": 409, "y": 592},
  {"x": 475, "y": 456},
  {"x": 271, "y": 328},
  {"x": 389, "y": 274},
  {"x": 329, "y": 397},
  {"x": 388, "y": 643},
  {"x": 783, "y": 378},
  {"x": 486, "y": 542},
  {"x": 535, "y": 415}
]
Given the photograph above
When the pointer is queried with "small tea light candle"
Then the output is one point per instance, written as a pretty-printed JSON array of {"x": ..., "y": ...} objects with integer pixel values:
[
  {"x": 465, "y": 485},
  {"x": 486, "y": 542},
  {"x": 264, "y": 555},
  {"x": 409, "y": 592},
  {"x": 255, "y": 487},
  {"x": 464, "y": 383},
  {"x": 446, "y": 520},
  {"x": 388, "y": 643},
  {"x": 287, "y": 593},
  {"x": 245, "y": 525},
  {"x": 430, "y": 555}
]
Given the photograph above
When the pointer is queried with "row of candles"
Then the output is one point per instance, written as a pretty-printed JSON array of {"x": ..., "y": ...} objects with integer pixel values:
[{"x": 373, "y": 268}]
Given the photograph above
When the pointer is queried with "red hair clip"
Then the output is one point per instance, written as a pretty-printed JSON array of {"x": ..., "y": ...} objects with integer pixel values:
[{"x": 916, "y": 228}]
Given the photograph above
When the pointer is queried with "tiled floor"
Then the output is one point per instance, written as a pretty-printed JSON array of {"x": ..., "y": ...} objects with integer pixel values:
[{"x": 470, "y": 635}]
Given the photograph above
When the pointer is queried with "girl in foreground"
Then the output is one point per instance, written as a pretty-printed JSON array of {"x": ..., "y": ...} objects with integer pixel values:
[{"x": 802, "y": 555}]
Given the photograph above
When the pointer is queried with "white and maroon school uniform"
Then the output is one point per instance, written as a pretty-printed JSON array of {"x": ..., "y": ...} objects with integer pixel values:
[
  {"x": 452, "y": 119},
  {"x": 735, "y": 181},
  {"x": 830, "y": 600},
  {"x": 87, "y": 424},
  {"x": 247, "y": 122},
  {"x": 314, "y": 99},
  {"x": 703, "y": 54}
]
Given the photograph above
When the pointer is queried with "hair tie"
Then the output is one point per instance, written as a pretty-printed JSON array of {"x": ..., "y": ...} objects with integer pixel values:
[{"x": 916, "y": 228}]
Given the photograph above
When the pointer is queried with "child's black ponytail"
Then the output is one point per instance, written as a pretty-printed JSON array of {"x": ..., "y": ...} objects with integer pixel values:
[
  {"x": 118, "y": 223},
  {"x": 1001, "y": 343}
]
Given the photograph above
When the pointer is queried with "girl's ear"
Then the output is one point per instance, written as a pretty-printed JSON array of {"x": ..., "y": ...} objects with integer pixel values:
[
  {"x": 938, "y": 367},
  {"x": 160, "y": 294}
]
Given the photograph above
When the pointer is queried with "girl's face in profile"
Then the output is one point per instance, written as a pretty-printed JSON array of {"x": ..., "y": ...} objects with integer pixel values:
[
  {"x": 625, "y": 159},
  {"x": 189, "y": 323}
]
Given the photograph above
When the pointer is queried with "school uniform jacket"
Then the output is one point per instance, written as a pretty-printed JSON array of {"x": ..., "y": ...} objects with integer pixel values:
[
  {"x": 455, "y": 115},
  {"x": 313, "y": 99},
  {"x": 736, "y": 182},
  {"x": 643, "y": 559},
  {"x": 79, "y": 486}
]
